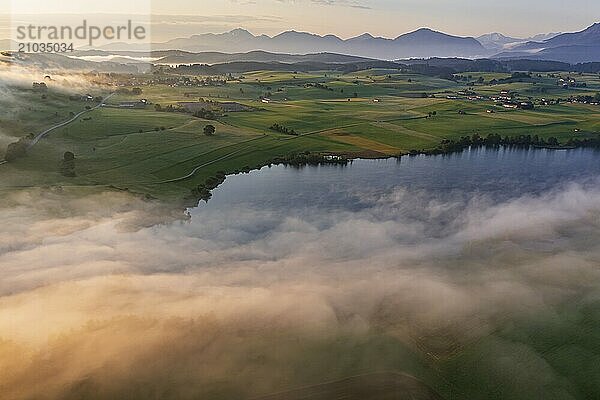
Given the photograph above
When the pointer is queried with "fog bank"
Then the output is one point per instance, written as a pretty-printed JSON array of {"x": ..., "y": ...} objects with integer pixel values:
[{"x": 105, "y": 296}]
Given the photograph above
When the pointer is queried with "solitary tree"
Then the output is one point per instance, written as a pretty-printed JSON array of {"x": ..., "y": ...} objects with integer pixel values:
[
  {"x": 68, "y": 156},
  {"x": 209, "y": 130},
  {"x": 67, "y": 167}
]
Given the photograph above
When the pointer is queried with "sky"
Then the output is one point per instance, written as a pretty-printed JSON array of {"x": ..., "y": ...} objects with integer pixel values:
[{"x": 345, "y": 18}]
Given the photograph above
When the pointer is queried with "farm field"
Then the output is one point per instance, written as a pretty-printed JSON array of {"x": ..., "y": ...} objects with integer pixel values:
[{"x": 374, "y": 113}]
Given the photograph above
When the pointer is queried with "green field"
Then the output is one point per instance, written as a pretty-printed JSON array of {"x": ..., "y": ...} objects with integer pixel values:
[{"x": 375, "y": 113}]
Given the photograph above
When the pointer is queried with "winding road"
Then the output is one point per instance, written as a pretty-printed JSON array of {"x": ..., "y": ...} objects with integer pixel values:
[{"x": 41, "y": 135}]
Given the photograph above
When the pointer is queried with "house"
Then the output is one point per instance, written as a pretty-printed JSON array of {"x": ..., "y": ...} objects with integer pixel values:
[{"x": 526, "y": 105}]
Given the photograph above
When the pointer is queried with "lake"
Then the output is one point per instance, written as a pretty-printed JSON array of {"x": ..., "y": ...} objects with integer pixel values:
[{"x": 498, "y": 173}]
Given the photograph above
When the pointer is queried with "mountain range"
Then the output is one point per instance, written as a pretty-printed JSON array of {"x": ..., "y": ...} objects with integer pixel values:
[
  {"x": 576, "y": 47},
  {"x": 582, "y": 46},
  {"x": 423, "y": 42}
]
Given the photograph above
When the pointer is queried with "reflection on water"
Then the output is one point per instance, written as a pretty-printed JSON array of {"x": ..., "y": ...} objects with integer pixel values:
[{"x": 500, "y": 174}]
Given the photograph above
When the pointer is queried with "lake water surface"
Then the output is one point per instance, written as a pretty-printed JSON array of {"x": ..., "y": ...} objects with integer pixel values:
[{"x": 499, "y": 174}]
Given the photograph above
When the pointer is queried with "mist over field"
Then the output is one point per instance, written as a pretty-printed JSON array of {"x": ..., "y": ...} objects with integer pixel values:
[
  {"x": 25, "y": 111},
  {"x": 109, "y": 296},
  {"x": 23, "y": 75}
]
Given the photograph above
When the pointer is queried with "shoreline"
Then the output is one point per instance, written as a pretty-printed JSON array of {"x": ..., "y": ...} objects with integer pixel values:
[
  {"x": 203, "y": 191},
  {"x": 216, "y": 181}
]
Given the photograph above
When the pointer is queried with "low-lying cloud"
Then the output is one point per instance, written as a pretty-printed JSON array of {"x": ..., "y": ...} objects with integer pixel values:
[
  {"x": 21, "y": 75},
  {"x": 102, "y": 297}
]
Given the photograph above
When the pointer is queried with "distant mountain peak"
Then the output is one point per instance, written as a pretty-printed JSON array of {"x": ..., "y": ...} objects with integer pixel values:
[
  {"x": 421, "y": 32},
  {"x": 365, "y": 35},
  {"x": 295, "y": 33},
  {"x": 429, "y": 33},
  {"x": 497, "y": 41},
  {"x": 496, "y": 36},
  {"x": 240, "y": 32}
]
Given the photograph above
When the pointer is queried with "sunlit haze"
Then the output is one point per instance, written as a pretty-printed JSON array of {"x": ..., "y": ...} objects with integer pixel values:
[{"x": 345, "y": 18}]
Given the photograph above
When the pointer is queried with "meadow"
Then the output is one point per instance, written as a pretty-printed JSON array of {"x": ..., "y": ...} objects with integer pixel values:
[{"x": 375, "y": 113}]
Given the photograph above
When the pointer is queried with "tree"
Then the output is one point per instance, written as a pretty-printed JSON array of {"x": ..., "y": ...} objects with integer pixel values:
[
  {"x": 18, "y": 149},
  {"x": 67, "y": 167},
  {"x": 14, "y": 151},
  {"x": 68, "y": 156},
  {"x": 205, "y": 114},
  {"x": 209, "y": 130}
]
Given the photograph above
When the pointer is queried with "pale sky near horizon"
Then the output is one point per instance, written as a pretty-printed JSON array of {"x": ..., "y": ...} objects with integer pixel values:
[{"x": 344, "y": 18}]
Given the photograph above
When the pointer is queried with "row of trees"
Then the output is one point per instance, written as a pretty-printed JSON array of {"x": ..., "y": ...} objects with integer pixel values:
[
  {"x": 136, "y": 91},
  {"x": 203, "y": 192},
  {"x": 282, "y": 129},
  {"x": 205, "y": 114},
  {"x": 492, "y": 140},
  {"x": 589, "y": 142},
  {"x": 308, "y": 158},
  {"x": 318, "y": 86},
  {"x": 587, "y": 98}
]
